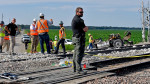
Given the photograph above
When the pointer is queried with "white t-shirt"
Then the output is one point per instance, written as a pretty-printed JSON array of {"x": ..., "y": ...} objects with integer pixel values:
[{"x": 32, "y": 27}]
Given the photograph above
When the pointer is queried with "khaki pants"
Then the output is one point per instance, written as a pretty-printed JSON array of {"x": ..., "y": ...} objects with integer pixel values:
[
  {"x": 6, "y": 44},
  {"x": 1, "y": 40},
  {"x": 12, "y": 43},
  {"x": 34, "y": 42},
  {"x": 78, "y": 54}
]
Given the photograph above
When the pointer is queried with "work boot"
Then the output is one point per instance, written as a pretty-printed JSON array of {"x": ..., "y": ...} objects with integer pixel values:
[
  {"x": 55, "y": 53},
  {"x": 35, "y": 52},
  {"x": 0, "y": 49},
  {"x": 31, "y": 52},
  {"x": 82, "y": 72}
]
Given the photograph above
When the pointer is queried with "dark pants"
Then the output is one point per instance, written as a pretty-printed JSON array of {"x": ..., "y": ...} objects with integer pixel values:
[
  {"x": 78, "y": 54},
  {"x": 26, "y": 45},
  {"x": 62, "y": 42},
  {"x": 90, "y": 46},
  {"x": 44, "y": 37}
]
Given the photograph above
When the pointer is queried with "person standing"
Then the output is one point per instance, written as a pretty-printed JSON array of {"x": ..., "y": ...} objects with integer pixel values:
[
  {"x": 78, "y": 29},
  {"x": 42, "y": 28},
  {"x": 34, "y": 36},
  {"x": 11, "y": 28},
  {"x": 55, "y": 43},
  {"x": 62, "y": 36},
  {"x": 91, "y": 40},
  {"x": 6, "y": 43},
  {"x": 2, "y": 34}
]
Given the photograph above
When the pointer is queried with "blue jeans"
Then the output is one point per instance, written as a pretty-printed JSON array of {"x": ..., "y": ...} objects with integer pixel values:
[
  {"x": 90, "y": 46},
  {"x": 44, "y": 37}
]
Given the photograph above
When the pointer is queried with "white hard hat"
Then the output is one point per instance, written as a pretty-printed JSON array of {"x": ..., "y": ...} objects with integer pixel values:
[
  {"x": 34, "y": 19},
  {"x": 41, "y": 14}
]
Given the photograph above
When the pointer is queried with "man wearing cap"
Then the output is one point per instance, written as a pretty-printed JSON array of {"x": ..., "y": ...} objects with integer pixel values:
[
  {"x": 34, "y": 36},
  {"x": 11, "y": 28},
  {"x": 62, "y": 37},
  {"x": 2, "y": 35},
  {"x": 42, "y": 28},
  {"x": 78, "y": 39}
]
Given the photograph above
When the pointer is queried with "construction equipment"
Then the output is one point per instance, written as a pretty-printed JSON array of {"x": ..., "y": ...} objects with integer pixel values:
[{"x": 115, "y": 40}]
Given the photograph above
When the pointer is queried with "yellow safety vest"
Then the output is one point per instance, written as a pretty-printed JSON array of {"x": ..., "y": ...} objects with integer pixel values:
[
  {"x": 55, "y": 43},
  {"x": 91, "y": 39},
  {"x": 1, "y": 32}
]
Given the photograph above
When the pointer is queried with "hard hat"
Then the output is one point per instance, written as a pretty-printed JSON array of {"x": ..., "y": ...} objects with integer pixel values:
[
  {"x": 41, "y": 14},
  {"x": 89, "y": 34},
  {"x": 34, "y": 19},
  {"x": 61, "y": 22},
  {"x": 2, "y": 22}
]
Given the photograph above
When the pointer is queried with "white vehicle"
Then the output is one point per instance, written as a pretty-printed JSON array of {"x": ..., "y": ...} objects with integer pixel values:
[
  {"x": 25, "y": 38},
  {"x": 68, "y": 41}
]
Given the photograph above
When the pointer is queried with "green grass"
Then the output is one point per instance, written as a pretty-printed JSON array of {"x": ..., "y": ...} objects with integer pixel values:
[{"x": 136, "y": 36}]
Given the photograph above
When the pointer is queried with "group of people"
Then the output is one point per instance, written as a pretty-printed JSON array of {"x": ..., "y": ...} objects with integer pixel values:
[
  {"x": 39, "y": 32},
  {"x": 7, "y": 36},
  {"x": 40, "y": 29}
]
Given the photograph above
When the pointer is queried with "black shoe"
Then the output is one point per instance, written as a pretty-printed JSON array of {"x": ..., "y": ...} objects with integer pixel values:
[
  {"x": 82, "y": 72},
  {"x": 55, "y": 53}
]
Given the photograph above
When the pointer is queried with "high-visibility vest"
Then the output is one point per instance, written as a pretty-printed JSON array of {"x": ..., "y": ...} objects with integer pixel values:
[
  {"x": 42, "y": 26},
  {"x": 55, "y": 43},
  {"x": 6, "y": 37},
  {"x": 62, "y": 36},
  {"x": 2, "y": 34},
  {"x": 91, "y": 39},
  {"x": 33, "y": 32}
]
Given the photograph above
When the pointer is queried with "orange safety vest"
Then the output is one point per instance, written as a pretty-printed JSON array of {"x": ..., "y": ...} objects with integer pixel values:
[
  {"x": 33, "y": 32},
  {"x": 6, "y": 37},
  {"x": 42, "y": 26},
  {"x": 60, "y": 33}
]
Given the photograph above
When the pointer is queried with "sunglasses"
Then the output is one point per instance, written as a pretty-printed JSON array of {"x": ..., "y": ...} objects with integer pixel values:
[{"x": 80, "y": 12}]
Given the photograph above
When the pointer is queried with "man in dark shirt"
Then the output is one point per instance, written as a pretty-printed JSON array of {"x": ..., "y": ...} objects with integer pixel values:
[
  {"x": 79, "y": 29},
  {"x": 11, "y": 28}
]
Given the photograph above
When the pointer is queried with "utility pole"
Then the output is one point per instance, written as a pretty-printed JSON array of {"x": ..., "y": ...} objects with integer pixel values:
[
  {"x": 143, "y": 23},
  {"x": 148, "y": 23},
  {"x": 2, "y": 16}
]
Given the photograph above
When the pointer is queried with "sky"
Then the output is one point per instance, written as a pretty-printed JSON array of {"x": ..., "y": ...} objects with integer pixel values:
[{"x": 116, "y": 13}]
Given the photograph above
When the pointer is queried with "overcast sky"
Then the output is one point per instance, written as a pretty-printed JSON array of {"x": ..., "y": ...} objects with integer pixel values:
[{"x": 120, "y": 13}]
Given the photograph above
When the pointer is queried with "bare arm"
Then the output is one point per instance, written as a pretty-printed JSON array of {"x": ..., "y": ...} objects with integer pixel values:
[
  {"x": 85, "y": 29},
  {"x": 6, "y": 28}
]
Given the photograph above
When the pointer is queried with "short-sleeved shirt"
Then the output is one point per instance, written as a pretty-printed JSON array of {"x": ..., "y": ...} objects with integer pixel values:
[
  {"x": 77, "y": 25},
  {"x": 12, "y": 28}
]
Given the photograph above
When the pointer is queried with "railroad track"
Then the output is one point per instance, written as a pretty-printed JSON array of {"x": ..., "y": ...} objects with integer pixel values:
[
  {"x": 125, "y": 48},
  {"x": 101, "y": 69},
  {"x": 32, "y": 58}
]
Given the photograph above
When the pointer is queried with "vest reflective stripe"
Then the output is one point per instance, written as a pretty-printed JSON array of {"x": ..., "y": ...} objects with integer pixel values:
[
  {"x": 42, "y": 26},
  {"x": 6, "y": 37},
  {"x": 91, "y": 39},
  {"x": 60, "y": 33},
  {"x": 1, "y": 32},
  {"x": 33, "y": 32},
  {"x": 55, "y": 43}
]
